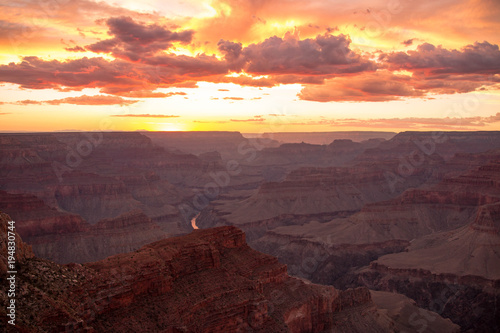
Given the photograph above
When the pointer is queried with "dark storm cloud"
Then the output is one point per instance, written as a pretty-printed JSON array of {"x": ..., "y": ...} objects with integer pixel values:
[
  {"x": 134, "y": 41},
  {"x": 483, "y": 58}
]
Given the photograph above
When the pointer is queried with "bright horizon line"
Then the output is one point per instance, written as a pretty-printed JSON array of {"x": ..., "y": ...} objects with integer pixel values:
[{"x": 248, "y": 133}]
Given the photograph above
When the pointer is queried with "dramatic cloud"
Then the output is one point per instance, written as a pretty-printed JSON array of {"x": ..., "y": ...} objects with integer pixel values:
[
  {"x": 113, "y": 77},
  {"x": 328, "y": 66},
  {"x": 373, "y": 87},
  {"x": 177, "y": 68},
  {"x": 133, "y": 41},
  {"x": 325, "y": 54},
  {"x": 35, "y": 73},
  {"x": 479, "y": 58},
  {"x": 231, "y": 50},
  {"x": 145, "y": 116},
  {"x": 384, "y": 85}
]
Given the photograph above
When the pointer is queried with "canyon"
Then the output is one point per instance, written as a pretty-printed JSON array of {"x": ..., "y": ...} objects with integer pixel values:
[
  {"x": 332, "y": 225},
  {"x": 397, "y": 232},
  {"x": 63, "y": 189},
  {"x": 206, "y": 281},
  {"x": 60, "y": 186}
]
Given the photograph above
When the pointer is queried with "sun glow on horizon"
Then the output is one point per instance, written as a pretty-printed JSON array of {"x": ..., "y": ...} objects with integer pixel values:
[{"x": 171, "y": 128}]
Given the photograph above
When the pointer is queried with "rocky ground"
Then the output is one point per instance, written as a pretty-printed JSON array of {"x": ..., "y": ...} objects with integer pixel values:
[{"x": 207, "y": 281}]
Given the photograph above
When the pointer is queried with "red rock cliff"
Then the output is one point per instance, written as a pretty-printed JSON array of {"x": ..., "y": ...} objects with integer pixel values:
[{"x": 207, "y": 281}]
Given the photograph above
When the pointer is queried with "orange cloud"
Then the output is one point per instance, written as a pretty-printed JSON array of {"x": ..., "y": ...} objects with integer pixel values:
[
  {"x": 328, "y": 66},
  {"x": 234, "y": 98},
  {"x": 75, "y": 49},
  {"x": 134, "y": 41},
  {"x": 384, "y": 86},
  {"x": 84, "y": 100},
  {"x": 374, "y": 87},
  {"x": 29, "y": 24},
  {"x": 323, "y": 55},
  {"x": 93, "y": 100},
  {"x": 385, "y": 21},
  {"x": 478, "y": 58},
  {"x": 149, "y": 94},
  {"x": 29, "y": 102}
]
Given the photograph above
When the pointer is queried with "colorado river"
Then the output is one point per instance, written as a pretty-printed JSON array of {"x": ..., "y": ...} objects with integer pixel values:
[{"x": 193, "y": 221}]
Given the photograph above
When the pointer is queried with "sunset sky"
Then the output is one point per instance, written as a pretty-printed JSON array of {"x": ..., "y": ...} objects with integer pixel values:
[{"x": 249, "y": 65}]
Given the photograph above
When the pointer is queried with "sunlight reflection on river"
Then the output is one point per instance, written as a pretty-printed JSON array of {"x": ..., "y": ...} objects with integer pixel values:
[{"x": 193, "y": 222}]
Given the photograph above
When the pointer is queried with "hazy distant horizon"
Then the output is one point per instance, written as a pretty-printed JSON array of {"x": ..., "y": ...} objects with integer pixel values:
[{"x": 249, "y": 134}]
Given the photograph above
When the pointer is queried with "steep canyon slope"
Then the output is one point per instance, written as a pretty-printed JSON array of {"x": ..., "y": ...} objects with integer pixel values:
[{"x": 207, "y": 281}]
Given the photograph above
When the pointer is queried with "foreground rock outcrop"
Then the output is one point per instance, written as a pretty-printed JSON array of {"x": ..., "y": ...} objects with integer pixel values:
[
  {"x": 437, "y": 244},
  {"x": 207, "y": 281}
]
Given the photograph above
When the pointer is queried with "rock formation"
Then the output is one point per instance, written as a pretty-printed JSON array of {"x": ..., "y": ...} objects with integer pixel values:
[
  {"x": 409, "y": 317},
  {"x": 307, "y": 194},
  {"x": 226, "y": 143},
  {"x": 407, "y": 161},
  {"x": 321, "y": 138},
  {"x": 207, "y": 281},
  {"x": 450, "y": 223},
  {"x": 65, "y": 238},
  {"x": 456, "y": 274},
  {"x": 380, "y": 228},
  {"x": 57, "y": 184}
]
